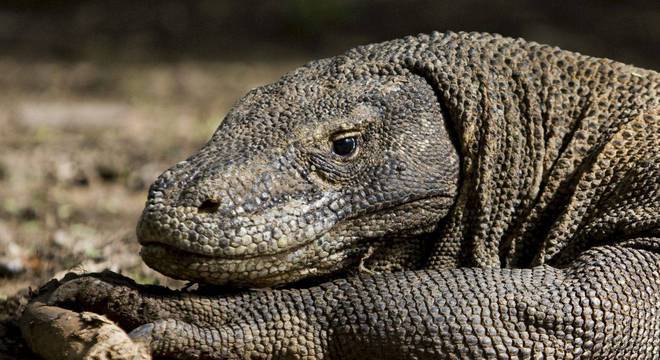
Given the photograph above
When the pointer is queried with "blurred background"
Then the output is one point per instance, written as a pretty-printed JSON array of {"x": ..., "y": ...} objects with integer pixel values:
[
  {"x": 99, "y": 97},
  {"x": 174, "y": 30}
]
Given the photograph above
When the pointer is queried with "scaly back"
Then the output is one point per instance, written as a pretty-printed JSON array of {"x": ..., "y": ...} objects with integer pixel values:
[{"x": 559, "y": 150}]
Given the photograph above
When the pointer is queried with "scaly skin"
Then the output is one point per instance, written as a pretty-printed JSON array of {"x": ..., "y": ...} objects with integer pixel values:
[
  {"x": 506, "y": 193},
  {"x": 266, "y": 202}
]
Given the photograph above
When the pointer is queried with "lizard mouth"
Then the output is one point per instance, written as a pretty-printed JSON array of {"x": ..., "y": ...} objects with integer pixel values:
[
  {"x": 152, "y": 239},
  {"x": 256, "y": 271},
  {"x": 315, "y": 256},
  {"x": 182, "y": 253}
]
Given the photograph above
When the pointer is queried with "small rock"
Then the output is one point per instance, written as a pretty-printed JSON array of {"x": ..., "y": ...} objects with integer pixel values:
[
  {"x": 10, "y": 267},
  {"x": 11, "y": 255}
]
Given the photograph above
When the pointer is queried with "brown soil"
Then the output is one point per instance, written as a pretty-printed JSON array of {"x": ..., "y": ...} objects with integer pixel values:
[{"x": 80, "y": 144}]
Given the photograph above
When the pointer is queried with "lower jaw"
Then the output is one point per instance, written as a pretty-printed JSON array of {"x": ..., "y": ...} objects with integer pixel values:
[{"x": 239, "y": 273}]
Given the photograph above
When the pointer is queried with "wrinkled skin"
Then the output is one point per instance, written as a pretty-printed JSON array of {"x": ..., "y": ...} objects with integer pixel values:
[
  {"x": 267, "y": 202},
  {"x": 504, "y": 193}
]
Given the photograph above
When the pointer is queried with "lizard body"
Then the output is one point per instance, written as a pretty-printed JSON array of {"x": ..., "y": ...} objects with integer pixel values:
[{"x": 505, "y": 193}]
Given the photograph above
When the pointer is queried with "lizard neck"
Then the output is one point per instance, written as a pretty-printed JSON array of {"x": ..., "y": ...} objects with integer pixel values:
[{"x": 529, "y": 120}]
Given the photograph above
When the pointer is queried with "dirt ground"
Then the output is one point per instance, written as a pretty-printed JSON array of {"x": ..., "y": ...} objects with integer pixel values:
[{"x": 79, "y": 145}]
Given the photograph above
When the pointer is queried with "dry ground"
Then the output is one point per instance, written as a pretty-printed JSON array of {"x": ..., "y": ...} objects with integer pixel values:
[{"x": 79, "y": 145}]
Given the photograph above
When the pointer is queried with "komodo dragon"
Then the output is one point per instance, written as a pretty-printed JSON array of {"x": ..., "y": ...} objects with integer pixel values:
[{"x": 492, "y": 197}]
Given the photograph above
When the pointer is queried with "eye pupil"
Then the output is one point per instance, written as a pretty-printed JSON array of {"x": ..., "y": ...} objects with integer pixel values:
[{"x": 344, "y": 146}]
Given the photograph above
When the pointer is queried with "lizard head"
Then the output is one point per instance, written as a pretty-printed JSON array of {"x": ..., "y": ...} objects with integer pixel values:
[{"x": 320, "y": 172}]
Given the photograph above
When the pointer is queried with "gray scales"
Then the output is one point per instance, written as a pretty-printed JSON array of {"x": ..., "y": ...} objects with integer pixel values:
[{"x": 440, "y": 196}]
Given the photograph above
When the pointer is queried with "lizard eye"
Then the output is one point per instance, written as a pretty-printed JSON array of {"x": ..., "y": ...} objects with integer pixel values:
[{"x": 345, "y": 146}]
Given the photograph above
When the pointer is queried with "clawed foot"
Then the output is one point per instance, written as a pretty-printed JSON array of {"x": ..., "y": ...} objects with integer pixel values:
[
  {"x": 55, "y": 327},
  {"x": 63, "y": 321},
  {"x": 57, "y": 333}
]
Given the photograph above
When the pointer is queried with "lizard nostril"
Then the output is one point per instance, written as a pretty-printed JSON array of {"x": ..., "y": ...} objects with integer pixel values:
[{"x": 209, "y": 206}]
